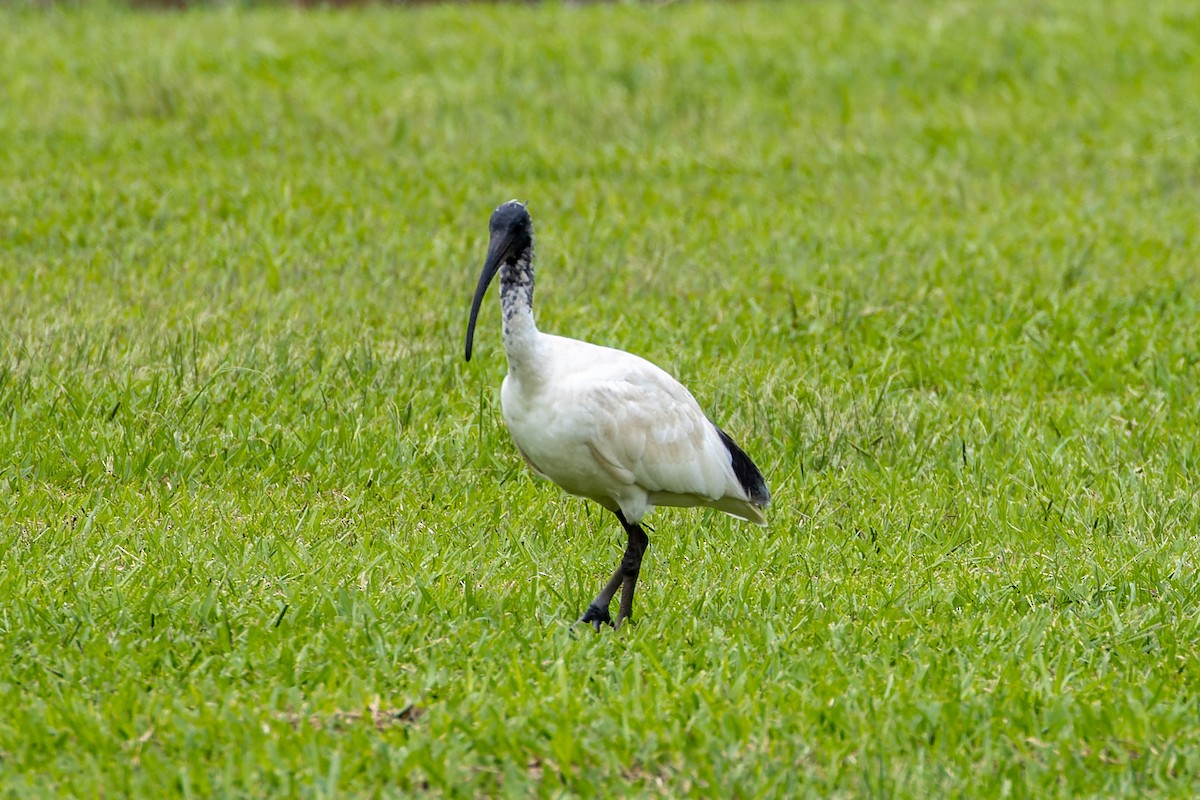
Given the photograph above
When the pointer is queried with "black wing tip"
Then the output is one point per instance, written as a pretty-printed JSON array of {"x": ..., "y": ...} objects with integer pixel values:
[{"x": 747, "y": 473}]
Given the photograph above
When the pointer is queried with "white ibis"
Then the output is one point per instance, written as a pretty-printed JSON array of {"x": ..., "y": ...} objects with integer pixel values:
[{"x": 605, "y": 424}]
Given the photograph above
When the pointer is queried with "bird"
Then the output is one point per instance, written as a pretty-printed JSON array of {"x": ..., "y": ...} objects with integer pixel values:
[{"x": 605, "y": 424}]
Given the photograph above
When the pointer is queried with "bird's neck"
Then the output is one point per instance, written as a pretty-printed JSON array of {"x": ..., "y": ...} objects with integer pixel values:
[{"x": 516, "y": 302}]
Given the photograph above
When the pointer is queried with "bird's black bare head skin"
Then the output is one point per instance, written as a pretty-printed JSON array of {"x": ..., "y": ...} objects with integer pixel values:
[
  {"x": 511, "y": 233},
  {"x": 512, "y": 221}
]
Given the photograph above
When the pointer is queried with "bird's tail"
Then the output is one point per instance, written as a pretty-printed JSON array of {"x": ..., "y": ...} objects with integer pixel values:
[
  {"x": 748, "y": 475},
  {"x": 742, "y": 509}
]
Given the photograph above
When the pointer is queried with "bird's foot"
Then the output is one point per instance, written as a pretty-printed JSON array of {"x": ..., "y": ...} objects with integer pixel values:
[{"x": 597, "y": 616}]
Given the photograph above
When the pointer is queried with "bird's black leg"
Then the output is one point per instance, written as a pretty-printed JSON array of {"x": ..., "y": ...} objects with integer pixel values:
[
  {"x": 631, "y": 566},
  {"x": 624, "y": 578}
]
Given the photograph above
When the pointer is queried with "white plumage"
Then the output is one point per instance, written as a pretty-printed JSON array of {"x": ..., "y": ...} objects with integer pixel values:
[
  {"x": 612, "y": 427},
  {"x": 605, "y": 424}
]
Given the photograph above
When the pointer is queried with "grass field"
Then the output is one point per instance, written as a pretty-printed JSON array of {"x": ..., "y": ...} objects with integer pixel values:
[{"x": 935, "y": 264}]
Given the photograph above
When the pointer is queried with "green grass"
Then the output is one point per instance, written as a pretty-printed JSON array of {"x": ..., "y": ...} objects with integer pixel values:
[{"x": 935, "y": 264}]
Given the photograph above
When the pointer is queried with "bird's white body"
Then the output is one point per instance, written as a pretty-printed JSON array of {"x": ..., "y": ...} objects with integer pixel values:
[{"x": 610, "y": 426}]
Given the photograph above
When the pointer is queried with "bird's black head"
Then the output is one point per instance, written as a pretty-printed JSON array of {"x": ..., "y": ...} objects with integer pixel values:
[
  {"x": 511, "y": 233},
  {"x": 511, "y": 225}
]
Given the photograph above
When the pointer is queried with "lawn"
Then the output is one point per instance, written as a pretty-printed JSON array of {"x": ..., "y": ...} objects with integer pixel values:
[{"x": 934, "y": 264}]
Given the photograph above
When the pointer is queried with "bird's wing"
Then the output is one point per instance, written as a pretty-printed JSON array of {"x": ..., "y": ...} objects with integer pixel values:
[{"x": 647, "y": 430}]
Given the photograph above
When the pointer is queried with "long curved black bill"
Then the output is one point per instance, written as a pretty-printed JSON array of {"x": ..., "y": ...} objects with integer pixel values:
[{"x": 495, "y": 256}]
